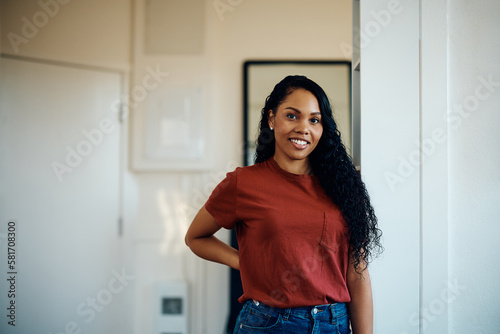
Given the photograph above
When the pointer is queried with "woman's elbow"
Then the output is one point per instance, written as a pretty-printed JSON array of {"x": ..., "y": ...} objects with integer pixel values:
[
  {"x": 190, "y": 237},
  {"x": 203, "y": 225},
  {"x": 187, "y": 239}
]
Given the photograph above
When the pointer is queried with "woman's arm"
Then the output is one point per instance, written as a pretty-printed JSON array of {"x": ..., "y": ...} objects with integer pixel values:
[
  {"x": 361, "y": 305},
  {"x": 200, "y": 238}
]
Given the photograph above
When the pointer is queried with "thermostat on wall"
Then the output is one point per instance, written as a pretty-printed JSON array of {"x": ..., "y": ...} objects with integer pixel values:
[{"x": 171, "y": 305}]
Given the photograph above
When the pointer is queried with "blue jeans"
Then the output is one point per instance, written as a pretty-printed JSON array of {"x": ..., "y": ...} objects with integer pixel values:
[{"x": 256, "y": 317}]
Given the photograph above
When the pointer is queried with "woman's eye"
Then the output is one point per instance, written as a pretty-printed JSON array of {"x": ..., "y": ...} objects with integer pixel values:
[
  {"x": 315, "y": 120},
  {"x": 291, "y": 116}
]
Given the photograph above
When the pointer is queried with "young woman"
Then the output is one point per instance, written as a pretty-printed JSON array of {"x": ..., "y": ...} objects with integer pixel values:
[{"x": 306, "y": 229}]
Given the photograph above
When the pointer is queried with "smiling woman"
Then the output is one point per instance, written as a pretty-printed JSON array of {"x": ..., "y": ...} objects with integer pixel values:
[{"x": 305, "y": 226}]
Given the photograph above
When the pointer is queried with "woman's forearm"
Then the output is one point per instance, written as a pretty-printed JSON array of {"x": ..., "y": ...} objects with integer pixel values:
[
  {"x": 361, "y": 305},
  {"x": 202, "y": 241},
  {"x": 212, "y": 249}
]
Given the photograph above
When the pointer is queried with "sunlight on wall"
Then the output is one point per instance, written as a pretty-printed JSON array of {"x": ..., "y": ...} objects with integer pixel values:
[{"x": 175, "y": 222}]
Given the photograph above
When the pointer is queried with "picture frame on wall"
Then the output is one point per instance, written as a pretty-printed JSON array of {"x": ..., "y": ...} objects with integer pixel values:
[{"x": 169, "y": 132}]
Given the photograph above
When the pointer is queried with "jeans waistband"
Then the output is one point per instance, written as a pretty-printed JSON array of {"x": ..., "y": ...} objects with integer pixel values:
[{"x": 327, "y": 310}]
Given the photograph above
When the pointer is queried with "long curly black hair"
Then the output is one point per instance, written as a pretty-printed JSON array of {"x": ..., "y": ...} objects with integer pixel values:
[{"x": 332, "y": 166}]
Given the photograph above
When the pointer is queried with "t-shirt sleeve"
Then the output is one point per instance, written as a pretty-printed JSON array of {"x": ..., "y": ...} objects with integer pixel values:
[{"x": 222, "y": 202}]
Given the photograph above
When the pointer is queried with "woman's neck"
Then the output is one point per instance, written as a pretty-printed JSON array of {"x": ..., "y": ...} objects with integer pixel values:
[{"x": 293, "y": 166}]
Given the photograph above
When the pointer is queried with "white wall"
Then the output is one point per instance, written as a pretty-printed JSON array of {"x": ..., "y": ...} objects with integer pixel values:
[
  {"x": 389, "y": 79},
  {"x": 430, "y": 159},
  {"x": 474, "y": 178}
]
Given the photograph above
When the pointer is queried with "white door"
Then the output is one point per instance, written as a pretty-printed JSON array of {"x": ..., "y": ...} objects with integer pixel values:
[{"x": 59, "y": 186}]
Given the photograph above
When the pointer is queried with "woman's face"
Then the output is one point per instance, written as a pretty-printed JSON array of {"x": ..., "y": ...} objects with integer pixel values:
[{"x": 297, "y": 126}]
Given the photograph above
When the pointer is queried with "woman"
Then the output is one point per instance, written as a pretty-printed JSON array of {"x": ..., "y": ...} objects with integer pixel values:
[{"x": 306, "y": 229}]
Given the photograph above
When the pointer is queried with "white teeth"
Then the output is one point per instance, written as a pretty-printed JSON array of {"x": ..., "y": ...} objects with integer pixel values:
[{"x": 298, "y": 141}]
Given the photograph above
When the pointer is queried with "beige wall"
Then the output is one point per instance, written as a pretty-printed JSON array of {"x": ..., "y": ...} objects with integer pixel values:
[{"x": 92, "y": 32}]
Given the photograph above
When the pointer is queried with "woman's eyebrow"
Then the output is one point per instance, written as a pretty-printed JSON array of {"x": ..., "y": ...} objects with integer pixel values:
[{"x": 298, "y": 111}]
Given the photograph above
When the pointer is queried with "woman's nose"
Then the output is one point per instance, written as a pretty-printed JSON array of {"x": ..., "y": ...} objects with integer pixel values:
[{"x": 302, "y": 127}]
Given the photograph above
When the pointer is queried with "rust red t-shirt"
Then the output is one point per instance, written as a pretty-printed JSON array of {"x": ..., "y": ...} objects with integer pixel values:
[{"x": 292, "y": 238}]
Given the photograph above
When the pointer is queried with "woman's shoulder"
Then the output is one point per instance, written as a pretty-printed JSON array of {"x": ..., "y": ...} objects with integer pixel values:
[{"x": 250, "y": 171}]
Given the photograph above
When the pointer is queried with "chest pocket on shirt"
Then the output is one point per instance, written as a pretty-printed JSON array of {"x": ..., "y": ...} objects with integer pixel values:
[{"x": 334, "y": 236}]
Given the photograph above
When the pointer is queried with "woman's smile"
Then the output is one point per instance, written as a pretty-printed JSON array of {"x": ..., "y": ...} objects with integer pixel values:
[{"x": 299, "y": 144}]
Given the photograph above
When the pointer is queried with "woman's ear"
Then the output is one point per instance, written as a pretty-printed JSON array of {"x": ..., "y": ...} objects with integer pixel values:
[{"x": 270, "y": 118}]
